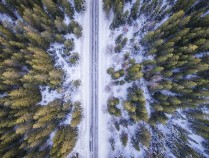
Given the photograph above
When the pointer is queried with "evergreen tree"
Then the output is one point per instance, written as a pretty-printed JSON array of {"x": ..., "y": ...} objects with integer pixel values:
[{"x": 80, "y": 5}]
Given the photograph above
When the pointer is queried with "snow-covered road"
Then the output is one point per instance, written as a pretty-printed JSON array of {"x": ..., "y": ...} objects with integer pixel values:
[{"x": 94, "y": 79}]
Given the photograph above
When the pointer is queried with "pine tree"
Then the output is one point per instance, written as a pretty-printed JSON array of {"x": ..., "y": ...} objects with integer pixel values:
[
  {"x": 107, "y": 6},
  {"x": 133, "y": 73},
  {"x": 124, "y": 138},
  {"x": 60, "y": 25},
  {"x": 65, "y": 139},
  {"x": 52, "y": 8},
  {"x": 111, "y": 105},
  {"x": 134, "y": 11},
  {"x": 80, "y": 5}
]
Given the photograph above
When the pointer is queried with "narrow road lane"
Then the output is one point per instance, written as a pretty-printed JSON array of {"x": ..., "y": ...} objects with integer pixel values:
[{"x": 94, "y": 79}]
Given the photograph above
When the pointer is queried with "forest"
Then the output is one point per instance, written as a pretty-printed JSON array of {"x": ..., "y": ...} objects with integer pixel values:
[
  {"x": 28, "y": 30},
  {"x": 156, "y": 100},
  {"x": 165, "y": 66}
]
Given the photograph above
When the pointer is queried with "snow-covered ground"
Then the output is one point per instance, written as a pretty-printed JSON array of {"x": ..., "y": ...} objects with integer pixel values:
[
  {"x": 104, "y": 63},
  {"x": 185, "y": 125},
  {"x": 82, "y": 146},
  {"x": 48, "y": 95}
]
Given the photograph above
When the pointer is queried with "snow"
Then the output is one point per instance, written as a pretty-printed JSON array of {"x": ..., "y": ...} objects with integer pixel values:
[
  {"x": 167, "y": 92},
  {"x": 108, "y": 59},
  {"x": 198, "y": 139},
  {"x": 82, "y": 146},
  {"x": 206, "y": 13},
  {"x": 3, "y": 95},
  {"x": 180, "y": 119},
  {"x": 163, "y": 128},
  {"x": 194, "y": 140},
  {"x": 4, "y": 17},
  {"x": 66, "y": 20},
  {"x": 48, "y": 95},
  {"x": 205, "y": 110},
  {"x": 191, "y": 76},
  {"x": 71, "y": 73},
  {"x": 200, "y": 55},
  {"x": 104, "y": 62},
  {"x": 164, "y": 2},
  {"x": 129, "y": 150},
  {"x": 50, "y": 142}
]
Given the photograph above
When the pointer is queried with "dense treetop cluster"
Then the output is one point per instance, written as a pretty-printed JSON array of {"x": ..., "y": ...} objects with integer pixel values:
[{"x": 27, "y": 29}]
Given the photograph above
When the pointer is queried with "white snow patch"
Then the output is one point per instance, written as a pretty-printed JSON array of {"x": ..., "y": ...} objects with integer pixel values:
[
  {"x": 4, "y": 17},
  {"x": 48, "y": 95},
  {"x": 3, "y": 95},
  {"x": 51, "y": 138},
  {"x": 163, "y": 128},
  {"x": 66, "y": 20},
  {"x": 206, "y": 13},
  {"x": 167, "y": 92},
  {"x": 200, "y": 55},
  {"x": 71, "y": 73},
  {"x": 205, "y": 110},
  {"x": 68, "y": 120}
]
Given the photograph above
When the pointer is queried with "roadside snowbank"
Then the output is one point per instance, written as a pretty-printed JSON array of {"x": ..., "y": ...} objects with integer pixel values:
[{"x": 82, "y": 146}]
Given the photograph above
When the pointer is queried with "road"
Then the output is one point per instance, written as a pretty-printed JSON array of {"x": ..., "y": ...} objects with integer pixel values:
[{"x": 94, "y": 79}]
